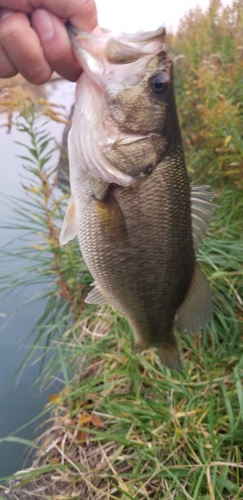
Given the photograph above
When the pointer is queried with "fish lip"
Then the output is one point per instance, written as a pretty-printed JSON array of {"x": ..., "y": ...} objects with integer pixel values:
[
  {"x": 74, "y": 33},
  {"x": 71, "y": 29},
  {"x": 130, "y": 138},
  {"x": 143, "y": 36}
]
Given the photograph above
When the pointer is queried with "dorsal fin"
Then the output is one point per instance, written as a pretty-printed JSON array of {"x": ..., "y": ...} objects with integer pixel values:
[{"x": 201, "y": 213}]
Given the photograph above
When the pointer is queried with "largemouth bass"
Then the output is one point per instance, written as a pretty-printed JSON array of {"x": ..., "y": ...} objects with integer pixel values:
[{"x": 137, "y": 220}]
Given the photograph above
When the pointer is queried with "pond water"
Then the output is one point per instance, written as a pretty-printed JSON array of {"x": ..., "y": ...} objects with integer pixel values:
[{"x": 20, "y": 401}]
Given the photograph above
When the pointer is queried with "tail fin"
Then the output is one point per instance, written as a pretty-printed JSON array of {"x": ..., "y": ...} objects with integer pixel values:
[{"x": 169, "y": 356}]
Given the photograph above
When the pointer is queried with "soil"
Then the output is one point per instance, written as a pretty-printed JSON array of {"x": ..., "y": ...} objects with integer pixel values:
[{"x": 32, "y": 491}]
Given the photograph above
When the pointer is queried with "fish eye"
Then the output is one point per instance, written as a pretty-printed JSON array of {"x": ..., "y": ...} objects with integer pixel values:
[
  {"x": 147, "y": 169},
  {"x": 159, "y": 83}
]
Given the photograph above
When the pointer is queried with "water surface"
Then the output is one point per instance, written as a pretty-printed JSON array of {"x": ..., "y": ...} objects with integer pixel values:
[{"x": 20, "y": 400}]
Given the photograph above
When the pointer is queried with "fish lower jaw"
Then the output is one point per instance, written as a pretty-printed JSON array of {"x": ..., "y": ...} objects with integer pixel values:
[
  {"x": 113, "y": 136},
  {"x": 125, "y": 139}
]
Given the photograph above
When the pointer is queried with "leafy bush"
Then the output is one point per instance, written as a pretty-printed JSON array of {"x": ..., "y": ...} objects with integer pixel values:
[{"x": 208, "y": 60}]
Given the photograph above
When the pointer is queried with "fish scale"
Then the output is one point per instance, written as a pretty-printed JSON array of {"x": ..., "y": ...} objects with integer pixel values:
[
  {"x": 137, "y": 219},
  {"x": 154, "y": 290}
]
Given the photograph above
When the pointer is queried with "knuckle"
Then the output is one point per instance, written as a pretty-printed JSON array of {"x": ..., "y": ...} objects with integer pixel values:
[
  {"x": 21, "y": 45},
  {"x": 38, "y": 73},
  {"x": 8, "y": 72},
  {"x": 88, "y": 10},
  {"x": 7, "y": 69},
  {"x": 12, "y": 27}
]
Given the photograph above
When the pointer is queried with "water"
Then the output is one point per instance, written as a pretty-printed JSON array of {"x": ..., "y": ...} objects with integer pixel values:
[{"x": 20, "y": 402}]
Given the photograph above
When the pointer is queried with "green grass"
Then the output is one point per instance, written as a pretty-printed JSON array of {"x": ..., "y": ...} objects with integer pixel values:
[
  {"x": 160, "y": 434},
  {"x": 125, "y": 426}
]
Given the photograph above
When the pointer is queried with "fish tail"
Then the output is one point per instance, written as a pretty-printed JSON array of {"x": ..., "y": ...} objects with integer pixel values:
[{"x": 169, "y": 356}]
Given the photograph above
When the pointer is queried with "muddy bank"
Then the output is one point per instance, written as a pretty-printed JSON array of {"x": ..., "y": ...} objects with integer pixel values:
[{"x": 37, "y": 489}]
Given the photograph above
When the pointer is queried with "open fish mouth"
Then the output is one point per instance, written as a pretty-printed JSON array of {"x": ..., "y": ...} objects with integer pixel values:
[{"x": 100, "y": 52}]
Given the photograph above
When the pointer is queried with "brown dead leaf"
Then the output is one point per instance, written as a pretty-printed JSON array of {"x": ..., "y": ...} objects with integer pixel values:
[
  {"x": 96, "y": 421},
  {"x": 53, "y": 460},
  {"x": 84, "y": 419},
  {"x": 81, "y": 436}
]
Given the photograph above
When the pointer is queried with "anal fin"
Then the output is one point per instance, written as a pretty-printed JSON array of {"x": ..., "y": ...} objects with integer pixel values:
[
  {"x": 95, "y": 296},
  {"x": 197, "y": 308}
]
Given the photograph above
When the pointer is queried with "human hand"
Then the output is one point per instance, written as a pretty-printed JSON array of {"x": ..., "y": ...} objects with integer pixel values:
[{"x": 34, "y": 40}]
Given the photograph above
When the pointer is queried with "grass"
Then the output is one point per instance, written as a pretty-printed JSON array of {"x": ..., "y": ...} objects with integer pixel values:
[{"x": 124, "y": 426}]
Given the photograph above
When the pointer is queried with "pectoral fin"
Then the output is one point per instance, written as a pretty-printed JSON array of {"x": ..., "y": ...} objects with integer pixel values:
[
  {"x": 110, "y": 216},
  {"x": 197, "y": 308},
  {"x": 69, "y": 228}
]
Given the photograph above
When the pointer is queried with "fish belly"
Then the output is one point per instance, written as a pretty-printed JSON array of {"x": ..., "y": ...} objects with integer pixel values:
[{"x": 146, "y": 272}]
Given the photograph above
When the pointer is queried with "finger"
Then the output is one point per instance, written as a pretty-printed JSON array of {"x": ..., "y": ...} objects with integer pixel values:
[
  {"x": 22, "y": 5},
  {"x": 55, "y": 44},
  {"x": 82, "y": 13},
  {"x": 22, "y": 47},
  {"x": 5, "y": 13},
  {"x": 7, "y": 69}
]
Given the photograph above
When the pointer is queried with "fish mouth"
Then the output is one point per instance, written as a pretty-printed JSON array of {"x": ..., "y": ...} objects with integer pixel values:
[
  {"x": 118, "y": 49},
  {"x": 123, "y": 58},
  {"x": 126, "y": 39}
]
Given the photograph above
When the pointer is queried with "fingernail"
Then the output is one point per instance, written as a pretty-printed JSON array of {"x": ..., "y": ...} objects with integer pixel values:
[
  {"x": 5, "y": 13},
  {"x": 45, "y": 25}
]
